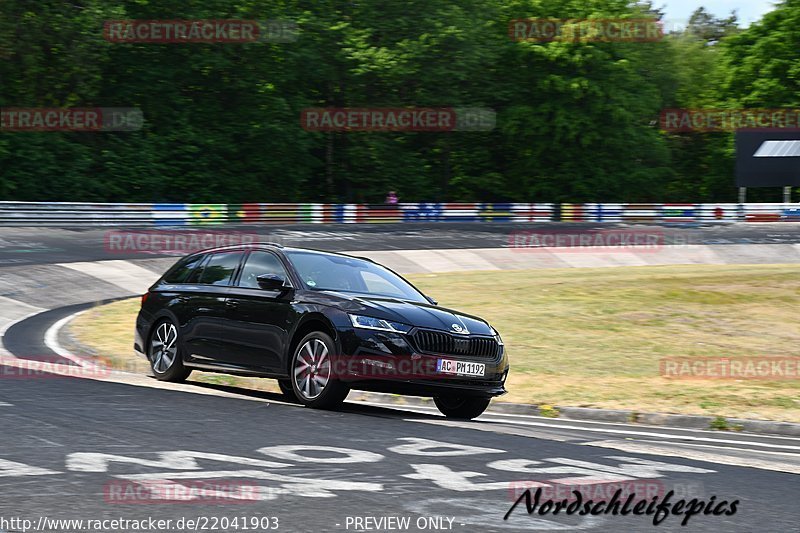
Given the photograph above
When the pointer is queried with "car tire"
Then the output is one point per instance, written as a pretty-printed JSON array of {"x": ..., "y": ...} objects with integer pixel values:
[
  {"x": 461, "y": 408},
  {"x": 165, "y": 353},
  {"x": 312, "y": 373},
  {"x": 287, "y": 390}
]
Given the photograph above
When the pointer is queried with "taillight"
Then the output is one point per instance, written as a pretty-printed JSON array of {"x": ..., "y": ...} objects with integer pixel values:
[{"x": 144, "y": 297}]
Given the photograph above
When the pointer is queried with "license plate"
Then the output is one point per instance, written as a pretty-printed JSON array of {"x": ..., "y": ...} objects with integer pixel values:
[{"x": 460, "y": 368}]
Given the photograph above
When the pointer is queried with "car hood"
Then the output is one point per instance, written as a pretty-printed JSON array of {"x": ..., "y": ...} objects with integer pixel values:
[{"x": 413, "y": 313}]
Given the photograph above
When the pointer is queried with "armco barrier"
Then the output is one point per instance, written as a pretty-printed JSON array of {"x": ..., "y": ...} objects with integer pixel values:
[{"x": 95, "y": 214}]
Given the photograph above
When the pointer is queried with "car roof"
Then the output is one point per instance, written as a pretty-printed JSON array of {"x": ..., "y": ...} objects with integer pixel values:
[{"x": 276, "y": 246}]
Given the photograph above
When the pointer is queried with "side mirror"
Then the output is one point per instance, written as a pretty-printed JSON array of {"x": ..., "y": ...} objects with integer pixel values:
[
  {"x": 431, "y": 300},
  {"x": 271, "y": 282}
]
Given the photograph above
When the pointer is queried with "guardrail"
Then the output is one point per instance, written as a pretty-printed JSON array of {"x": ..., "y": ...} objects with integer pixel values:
[{"x": 96, "y": 214}]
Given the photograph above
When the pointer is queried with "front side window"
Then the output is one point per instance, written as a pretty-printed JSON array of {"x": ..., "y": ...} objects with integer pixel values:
[
  {"x": 219, "y": 270},
  {"x": 259, "y": 263}
]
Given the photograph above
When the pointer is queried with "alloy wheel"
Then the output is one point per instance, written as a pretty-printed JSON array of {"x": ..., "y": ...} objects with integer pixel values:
[
  {"x": 164, "y": 348},
  {"x": 312, "y": 369}
]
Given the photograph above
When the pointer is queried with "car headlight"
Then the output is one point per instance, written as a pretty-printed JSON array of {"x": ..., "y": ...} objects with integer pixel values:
[
  {"x": 496, "y": 336},
  {"x": 368, "y": 322}
]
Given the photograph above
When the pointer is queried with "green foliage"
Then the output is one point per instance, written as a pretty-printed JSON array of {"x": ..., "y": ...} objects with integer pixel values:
[{"x": 576, "y": 121}]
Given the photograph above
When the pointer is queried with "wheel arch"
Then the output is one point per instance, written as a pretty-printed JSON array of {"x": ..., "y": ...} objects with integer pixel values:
[{"x": 311, "y": 322}]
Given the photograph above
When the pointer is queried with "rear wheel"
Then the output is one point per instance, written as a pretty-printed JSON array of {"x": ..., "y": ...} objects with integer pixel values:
[
  {"x": 462, "y": 408},
  {"x": 313, "y": 379},
  {"x": 165, "y": 354}
]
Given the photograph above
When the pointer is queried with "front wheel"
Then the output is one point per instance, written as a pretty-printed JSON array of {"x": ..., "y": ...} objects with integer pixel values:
[
  {"x": 165, "y": 355},
  {"x": 286, "y": 388},
  {"x": 462, "y": 408},
  {"x": 313, "y": 379}
]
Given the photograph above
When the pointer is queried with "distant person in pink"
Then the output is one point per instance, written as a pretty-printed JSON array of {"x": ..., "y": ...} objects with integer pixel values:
[{"x": 391, "y": 198}]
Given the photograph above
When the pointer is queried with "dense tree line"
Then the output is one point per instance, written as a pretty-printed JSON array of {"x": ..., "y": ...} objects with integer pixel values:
[{"x": 576, "y": 121}]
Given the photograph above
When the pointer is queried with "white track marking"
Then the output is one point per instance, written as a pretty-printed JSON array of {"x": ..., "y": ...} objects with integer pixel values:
[
  {"x": 664, "y": 436},
  {"x": 554, "y": 424},
  {"x": 51, "y": 341},
  {"x": 695, "y": 455},
  {"x": 124, "y": 274}
]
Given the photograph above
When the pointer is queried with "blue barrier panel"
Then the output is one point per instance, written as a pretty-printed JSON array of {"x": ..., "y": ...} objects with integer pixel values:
[{"x": 169, "y": 214}]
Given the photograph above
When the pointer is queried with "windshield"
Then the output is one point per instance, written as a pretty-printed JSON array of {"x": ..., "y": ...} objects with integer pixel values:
[{"x": 347, "y": 274}]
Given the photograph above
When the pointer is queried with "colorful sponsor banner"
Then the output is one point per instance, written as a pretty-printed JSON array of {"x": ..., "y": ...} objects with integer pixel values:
[
  {"x": 342, "y": 213},
  {"x": 166, "y": 214},
  {"x": 204, "y": 214},
  {"x": 532, "y": 212},
  {"x": 281, "y": 213},
  {"x": 719, "y": 212},
  {"x": 380, "y": 213},
  {"x": 604, "y": 212},
  {"x": 679, "y": 213},
  {"x": 422, "y": 212},
  {"x": 496, "y": 212},
  {"x": 792, "y": 214},
  {"x": 763, "y": 212},
  {"x": 247, "y": 213},
  {"x": 572, "y": 213},
  {"x": 640, "y": 213},
  {"x": 169, "y": 214},
  {"x": 452, "y": 212}
]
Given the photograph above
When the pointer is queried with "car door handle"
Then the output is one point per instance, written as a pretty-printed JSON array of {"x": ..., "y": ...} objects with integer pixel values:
[{"x": 231, "y": 304}]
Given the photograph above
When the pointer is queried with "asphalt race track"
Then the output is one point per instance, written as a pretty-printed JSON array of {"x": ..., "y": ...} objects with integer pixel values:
[
  {"x": 82, "y": 449},
  {"x": 35, "y": 246}
]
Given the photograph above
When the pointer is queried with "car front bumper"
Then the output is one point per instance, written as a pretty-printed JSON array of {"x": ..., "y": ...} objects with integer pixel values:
[{"x": 389, "y": 362}]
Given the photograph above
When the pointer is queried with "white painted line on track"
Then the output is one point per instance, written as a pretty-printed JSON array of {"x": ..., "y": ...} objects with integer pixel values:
[
  {"x": 491, "y": 419},
  {"x": 559, "y": 422},
  {"x": 556, "y": 421},
  {"x": 656, "y": 435},
  {"x": 51, "y": 341},
  {"x": 695, "y": 455}
]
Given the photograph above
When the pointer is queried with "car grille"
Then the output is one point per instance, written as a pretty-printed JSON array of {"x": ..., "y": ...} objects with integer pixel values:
[{"x": 446, "y": 344}]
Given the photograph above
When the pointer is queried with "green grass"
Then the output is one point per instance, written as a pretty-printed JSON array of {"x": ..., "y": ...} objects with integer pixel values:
[{"x": 594, "y": 337}]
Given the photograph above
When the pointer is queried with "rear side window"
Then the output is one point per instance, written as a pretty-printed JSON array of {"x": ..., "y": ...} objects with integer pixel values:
[
  {"x": 219, "y": 270},
  {"x": 180, "y": 272}
]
